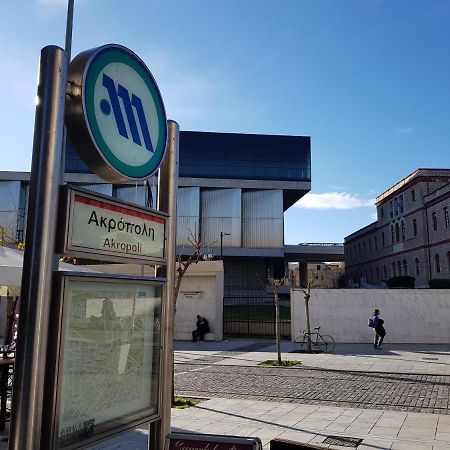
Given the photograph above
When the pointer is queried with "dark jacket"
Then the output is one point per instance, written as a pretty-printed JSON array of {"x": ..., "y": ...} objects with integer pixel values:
[{"x": 379, "y": 328}]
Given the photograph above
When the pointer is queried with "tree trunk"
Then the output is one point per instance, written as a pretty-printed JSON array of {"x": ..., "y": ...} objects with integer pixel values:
[
  {"x": 277, "y": 324},
  {"x": 308, "y": 325}
]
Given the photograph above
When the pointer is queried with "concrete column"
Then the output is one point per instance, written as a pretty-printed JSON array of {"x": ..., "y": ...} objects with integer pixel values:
[{"x": 303, "y": 273}]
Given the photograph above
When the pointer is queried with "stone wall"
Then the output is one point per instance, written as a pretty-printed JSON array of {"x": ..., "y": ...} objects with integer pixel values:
[{"x": 411, "y": 315}]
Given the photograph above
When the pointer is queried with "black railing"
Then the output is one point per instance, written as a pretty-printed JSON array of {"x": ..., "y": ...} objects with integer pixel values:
[{"x": 255, "y": 316}]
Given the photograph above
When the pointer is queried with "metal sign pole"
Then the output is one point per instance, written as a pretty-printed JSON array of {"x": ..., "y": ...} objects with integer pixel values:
[
  {"x": 39, "y": 258},
  {"x": 167, "y": 193},
  {"x": 68, "y": 49}
]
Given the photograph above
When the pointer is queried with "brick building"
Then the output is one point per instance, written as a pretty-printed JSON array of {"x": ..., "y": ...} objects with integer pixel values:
[{"x": 411, "y": 235}]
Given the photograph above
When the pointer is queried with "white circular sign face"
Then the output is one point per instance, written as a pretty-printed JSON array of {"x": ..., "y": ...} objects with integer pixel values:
[{"x": 123, "y": 112}]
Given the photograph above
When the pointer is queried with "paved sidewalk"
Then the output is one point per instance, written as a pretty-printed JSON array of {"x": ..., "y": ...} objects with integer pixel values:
[
  {"x": 394, "y": 358},
  {"x": 313, "y": 424},
  {"x": 379, "y": 430},
  {"x": 394, "y": 430}
]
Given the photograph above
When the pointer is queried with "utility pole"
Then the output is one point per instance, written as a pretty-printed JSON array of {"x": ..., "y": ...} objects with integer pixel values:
[{"x": 222, "y": 234}]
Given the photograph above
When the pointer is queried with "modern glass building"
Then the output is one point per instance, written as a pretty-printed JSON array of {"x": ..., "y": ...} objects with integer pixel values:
[{"x": 233, "y": 191}]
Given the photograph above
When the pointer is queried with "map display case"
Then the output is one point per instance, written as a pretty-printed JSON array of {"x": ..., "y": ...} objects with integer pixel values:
[{"x": 108, "y": 369}]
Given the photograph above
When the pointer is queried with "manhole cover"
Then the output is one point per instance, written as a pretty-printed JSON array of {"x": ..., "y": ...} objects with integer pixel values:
[
  {"x": 343, "y": 441},
  {"x": 431, "y": 359}
]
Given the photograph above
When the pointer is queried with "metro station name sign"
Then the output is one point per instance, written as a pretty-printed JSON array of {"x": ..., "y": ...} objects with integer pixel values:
[{"x": 112, "y": 230}]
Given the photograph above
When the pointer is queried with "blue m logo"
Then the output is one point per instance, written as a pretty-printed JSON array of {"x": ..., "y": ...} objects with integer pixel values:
[{"x": 131, "y": 104}]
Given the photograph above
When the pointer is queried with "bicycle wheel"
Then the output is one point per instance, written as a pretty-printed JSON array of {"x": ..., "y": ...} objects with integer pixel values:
[
  {"x": 325, "y": 343},
  {"x": 301, "y": 343},
  {"x": 298, "y": 342}
]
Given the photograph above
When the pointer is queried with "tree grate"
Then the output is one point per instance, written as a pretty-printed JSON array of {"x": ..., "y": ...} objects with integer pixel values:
[{"x": 343, "y": 441}]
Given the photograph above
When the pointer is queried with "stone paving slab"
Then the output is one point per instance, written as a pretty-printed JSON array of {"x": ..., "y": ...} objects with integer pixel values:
[{"x": 308, "y": 424}]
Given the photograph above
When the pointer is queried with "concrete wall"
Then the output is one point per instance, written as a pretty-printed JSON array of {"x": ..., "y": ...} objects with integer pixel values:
[
  {"x": 410, "y": 315},
  {"x": 201, "y": 293}
]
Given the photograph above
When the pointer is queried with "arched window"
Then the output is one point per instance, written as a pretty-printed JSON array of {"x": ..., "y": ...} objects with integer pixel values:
[
  {"x": 434, "y": 220},
  {"x": 385, "y": 272},
  {"x": 399, "y": 268},
  {"x": 393, "y": 269},
  {"x": 397, "y": 232},
  {"x": 403, "y": 231},
  {"x": 417, "y": 266},
  {"x": 405, "y": 267},
  {"x": 437, "y": 263},
  {"x": 392, "y": 233}
]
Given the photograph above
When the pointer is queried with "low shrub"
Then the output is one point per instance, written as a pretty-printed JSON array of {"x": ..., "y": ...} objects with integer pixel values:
[
  {"x": 443, "y": 283},
  {"x": 183, "y": 403},
  {"x": 405, "y": 282},
  {"x": 274, "y": 363}
]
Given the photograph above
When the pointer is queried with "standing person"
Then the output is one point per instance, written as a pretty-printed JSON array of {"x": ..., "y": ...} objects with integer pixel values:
[
  {"x": 378, "y": 329},
  {"x": 197, "y": 332}
]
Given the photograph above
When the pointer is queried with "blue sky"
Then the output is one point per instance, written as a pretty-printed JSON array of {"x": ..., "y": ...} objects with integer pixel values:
[{"x": 368, "y": 80}]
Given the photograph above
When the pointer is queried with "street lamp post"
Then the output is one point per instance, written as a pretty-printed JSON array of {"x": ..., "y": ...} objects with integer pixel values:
[{"x": 222, "y": 234}]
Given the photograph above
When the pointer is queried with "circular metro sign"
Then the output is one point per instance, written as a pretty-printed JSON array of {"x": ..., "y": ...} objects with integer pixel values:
[{"x": 115, "y": 115}]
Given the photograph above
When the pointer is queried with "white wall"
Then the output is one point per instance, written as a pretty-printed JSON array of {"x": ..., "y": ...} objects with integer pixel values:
[
  {"x": 410, "y": 315},
  {"x": 201, "y": 293}
]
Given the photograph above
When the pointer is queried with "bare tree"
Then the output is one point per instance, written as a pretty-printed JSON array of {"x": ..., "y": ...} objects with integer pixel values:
[
  {"x": 306, "y": 297},
  {"x": 275, "y": 284},
  {"x": 183, "y": 266}
]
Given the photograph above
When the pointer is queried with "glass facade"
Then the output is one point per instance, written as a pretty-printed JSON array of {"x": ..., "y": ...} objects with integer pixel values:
[
  {"x": 245, "y": 156},
  {"x": 235, "y": 156}
]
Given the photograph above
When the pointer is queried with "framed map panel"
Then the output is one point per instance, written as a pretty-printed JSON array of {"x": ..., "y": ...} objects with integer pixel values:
[{"x": 109, "y": 356}]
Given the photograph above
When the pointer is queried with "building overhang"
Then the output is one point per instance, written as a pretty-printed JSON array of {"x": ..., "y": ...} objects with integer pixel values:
[
  {"x": 236, "y": 252},
  {"x": 292, "y": 190},
  {"x": 314, "y": 252}
]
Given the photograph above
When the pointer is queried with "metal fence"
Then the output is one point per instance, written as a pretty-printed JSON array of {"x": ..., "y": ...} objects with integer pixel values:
[{"x": 255, "y": 316}]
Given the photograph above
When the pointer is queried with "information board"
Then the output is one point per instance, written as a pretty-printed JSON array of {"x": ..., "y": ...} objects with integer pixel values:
[{"x": 109, "y": 357}]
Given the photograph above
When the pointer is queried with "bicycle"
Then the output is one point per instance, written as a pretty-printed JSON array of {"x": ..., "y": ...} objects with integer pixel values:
[{"x": 320, "y": 344}]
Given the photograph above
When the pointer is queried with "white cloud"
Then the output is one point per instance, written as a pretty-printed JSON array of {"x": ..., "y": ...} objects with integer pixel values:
[
  {"x": 333, "y": 200},
  {"x": 404, "y": 130}
]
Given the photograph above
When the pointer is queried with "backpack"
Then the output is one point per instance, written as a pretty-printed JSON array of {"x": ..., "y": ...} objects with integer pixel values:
[{"x": 370, "y": 323}]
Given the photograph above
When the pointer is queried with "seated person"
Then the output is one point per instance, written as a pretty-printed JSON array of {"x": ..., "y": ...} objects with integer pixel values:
[
  {"x": 202, "y": 327},
  {"x": 196, "y": 332}
]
